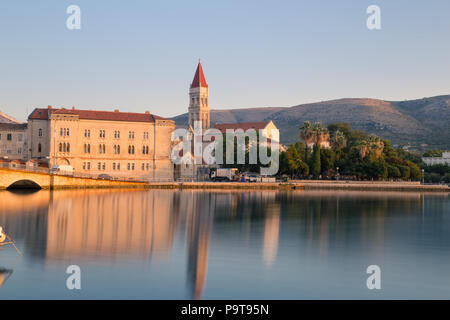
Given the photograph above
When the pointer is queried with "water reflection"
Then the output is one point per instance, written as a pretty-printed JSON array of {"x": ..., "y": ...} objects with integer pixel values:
[{"x": 107, "y": 226}]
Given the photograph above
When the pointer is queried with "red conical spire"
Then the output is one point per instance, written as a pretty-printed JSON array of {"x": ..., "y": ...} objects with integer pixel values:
[{"x": 199, "y": 78}]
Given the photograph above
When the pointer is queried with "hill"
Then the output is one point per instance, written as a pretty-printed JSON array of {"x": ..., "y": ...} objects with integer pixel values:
[{"x": 420, "y": 124}]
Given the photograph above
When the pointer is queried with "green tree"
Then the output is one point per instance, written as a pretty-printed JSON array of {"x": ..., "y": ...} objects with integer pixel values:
[
  {"x": 394, "y": 172},
  {"x": 315, "y": 162}
]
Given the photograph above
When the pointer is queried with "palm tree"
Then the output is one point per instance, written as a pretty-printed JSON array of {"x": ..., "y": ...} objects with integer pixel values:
[
  {"x": 306, "y": 134},
  {"x": 338, "y": 141},
  {"x": 320, "y": 133},
  {"x": 370, "y": 145}
]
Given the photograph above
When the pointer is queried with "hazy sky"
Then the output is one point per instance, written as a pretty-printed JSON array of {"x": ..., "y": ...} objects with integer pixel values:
[{"x": 141, "y": 55}]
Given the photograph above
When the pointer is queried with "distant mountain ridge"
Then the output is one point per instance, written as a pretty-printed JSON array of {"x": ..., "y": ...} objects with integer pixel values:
[{"x": 420, "y": 124}]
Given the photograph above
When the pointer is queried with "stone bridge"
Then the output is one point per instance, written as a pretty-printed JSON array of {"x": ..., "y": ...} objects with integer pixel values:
[{"x": 22, "y": 179}]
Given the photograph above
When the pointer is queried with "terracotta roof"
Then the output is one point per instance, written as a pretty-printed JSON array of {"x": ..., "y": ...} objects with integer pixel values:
[
  {"x": 96, "y": 115},
  {"x": 13, "y": 126},
  {"x": 199, "y": 78},
  {"x": 41, "y": 114},
  {"x": 243, "y": 125}
]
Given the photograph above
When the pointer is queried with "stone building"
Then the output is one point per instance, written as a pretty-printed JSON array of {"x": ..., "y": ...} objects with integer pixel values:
[
  {"x": 103, "y": 143},
  {"x": 13, "y": 142},
  {"x": 445, "y": 159}
]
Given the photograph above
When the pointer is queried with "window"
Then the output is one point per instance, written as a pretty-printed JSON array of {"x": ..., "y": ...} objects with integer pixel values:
[
  {"x": 9, "y": 136},
  {"x": 89, "y": 133},
  {"x": 88, "y": 148},
  {"x": 84, "y": 165},
  {"x": 20, "y": 136},
  {"x": 145, "y": 135},
  {"x": 132, "y": 166},
  {"x": 60, "y": 147},
  {"x": 0, "y": 136},
  {"x": 99, "y": 166},
  {"x": 148, "y": 166},
  {"x": 85, "y": 133},
  {"x": 102, "y": 134},
  {"x": 64, "y": 131},
  {"x": 118, "y": 166},
  {"x": 104, "y": 166},
  {"x": 128, "y": 166},
  {"x": 85, "y": 148},
  {"x": 89, "y": 166},
  {"x": 146, "y": 150},
  {"x": 68, "y": 132},
  {"x": 39, "y": 147},
  {"x": 131, "y": 134},
  {"x": 68, "y": 147},
  {"x": 118, "y": 149},
  {"x": 40, "y": 132},
  {"x": 114, "y": 166},
  {"x": 64, "y": 147},
  {"x": 143, "y": 167},
  {"x": 19, "y": 151},
  {"x": 132, "y": 149}
]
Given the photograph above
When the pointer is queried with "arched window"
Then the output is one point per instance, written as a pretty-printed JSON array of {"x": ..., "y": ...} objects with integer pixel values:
[
  {"x": 61, "y": 132},
  {"x": 64, "y": 131},
  {"x": 143, "y": 149},
  {"x": 118, "y": 149},
  {"x": 67, "y": 131},
  {"x": 99, "y": 148},
  {"x": 60, "y": 147},
  {"x": 104, "y": 149},
  {"x": 40, "y": 132},
  {"x": 146, "y": 149},
  {"x": 129, "y": 149},
  {"x": 64, "y": 147},
  {"x": 68, "y": 147},
  {"x": 89, "y": 148},
  {"x": 132, "y": 149},
  {"x": 115, "y": 147},
  {"x": 39, "y": 147}
]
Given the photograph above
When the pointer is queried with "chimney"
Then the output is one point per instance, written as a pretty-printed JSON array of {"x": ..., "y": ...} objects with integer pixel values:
[
  {"x": 147, "y": 112},
  {"x": 116, "y": 110}
]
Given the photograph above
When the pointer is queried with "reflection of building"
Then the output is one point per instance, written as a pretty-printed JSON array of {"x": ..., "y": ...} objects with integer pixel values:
[
  {"x": 109, "y": 224},
  {"x": 198, "y": 228},
  {"x": 118, "y": 144},
  {"x": 271, "y": 235}
]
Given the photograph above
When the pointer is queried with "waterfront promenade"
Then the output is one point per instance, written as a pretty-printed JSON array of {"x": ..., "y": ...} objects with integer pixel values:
[{"x": 29, "y": 179}]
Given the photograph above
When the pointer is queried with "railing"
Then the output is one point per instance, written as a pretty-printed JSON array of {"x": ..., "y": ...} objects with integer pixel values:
[{"x": 23, "y": 167}]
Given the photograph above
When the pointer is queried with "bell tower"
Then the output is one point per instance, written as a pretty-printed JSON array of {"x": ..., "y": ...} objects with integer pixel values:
[{"x": 199, "y": 99}]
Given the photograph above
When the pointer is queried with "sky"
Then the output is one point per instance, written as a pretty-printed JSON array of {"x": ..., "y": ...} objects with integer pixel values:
[{"x": 141, "y": 55}]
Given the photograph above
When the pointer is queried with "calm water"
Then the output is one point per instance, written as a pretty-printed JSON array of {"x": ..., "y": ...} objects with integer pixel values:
[{"x": 225, "y": 245}]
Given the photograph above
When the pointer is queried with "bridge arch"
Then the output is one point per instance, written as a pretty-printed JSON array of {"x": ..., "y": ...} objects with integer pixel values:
[{"x": 24, "y": 184}]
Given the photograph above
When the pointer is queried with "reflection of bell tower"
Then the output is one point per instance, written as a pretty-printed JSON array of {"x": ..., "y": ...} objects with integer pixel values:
[{"x": 199, "y": 99}]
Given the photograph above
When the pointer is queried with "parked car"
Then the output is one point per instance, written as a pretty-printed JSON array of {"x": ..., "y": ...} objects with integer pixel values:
[{"x": 104, "y": 176}]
